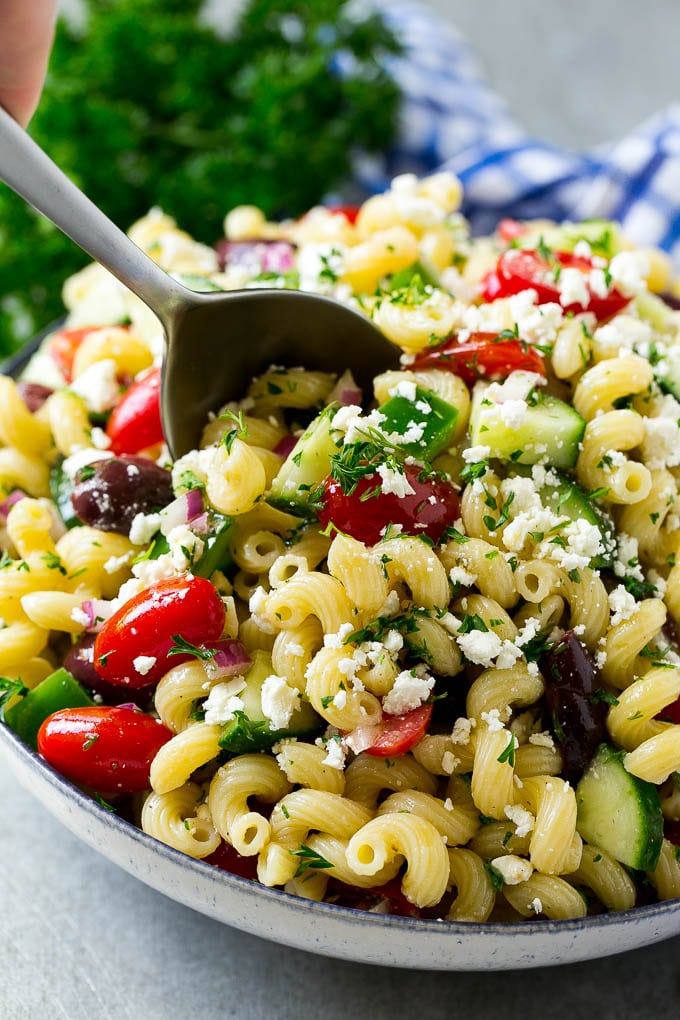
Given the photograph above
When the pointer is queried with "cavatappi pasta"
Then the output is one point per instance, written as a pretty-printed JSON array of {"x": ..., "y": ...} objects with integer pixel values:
[{"x": 442, "y": 674}]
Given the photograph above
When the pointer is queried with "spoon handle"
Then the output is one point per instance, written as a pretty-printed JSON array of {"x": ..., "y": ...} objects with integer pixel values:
[{"x": 31, "y": 173}]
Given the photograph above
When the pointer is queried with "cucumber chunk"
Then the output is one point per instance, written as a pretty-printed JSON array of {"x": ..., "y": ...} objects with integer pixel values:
[
  {"x": 551, "y": 430},
  {"x": 306, "y": 466},
  {"x": 619, "y": 812},
  {"x": 61, "y": 487},
  {"x": 569, "y": 500},
  {"x": 429, "y": 419},
  {"x": 603, "y": 236},
  {"x": 249, "y": 732}
]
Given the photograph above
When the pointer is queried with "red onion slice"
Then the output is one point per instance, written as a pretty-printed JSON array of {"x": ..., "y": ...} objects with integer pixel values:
[
  {"x": 98, "y": 612},
  {"x": 229, "y": 659},
  {"x": 285, "y": 445},
  {"x": 182, "y": 510},
  {"x": 14, "y": 497}
]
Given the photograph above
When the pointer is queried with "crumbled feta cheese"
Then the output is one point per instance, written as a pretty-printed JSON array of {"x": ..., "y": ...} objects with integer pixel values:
[
  {"x": 257, "y": 605},
  {"x": 479, "y": 646},
  {"x": 514, "y": 413},
  {"x": 462, "y": 729},
  {"x": 144, "y": 527},
  {"x": 476, "y": 454},
  {"x": 395, "y": 482},
  {"x": 222, "y": 703},
  {"x": 573, "y": 287},
  {"x": 144, "y": 664},
  {"x": 459, "y": 575},
  {"x": 449, "y": 762},
  {"x": 405, "y": 388},
  {"x": 185, "y": 546},
  {"x": 81, "y": 458},
  {"x": 148, "y": 572},
  {"x": 115, "y": 563},
  {"x": 336, "y": 752},
  {"x": 513, "y": 869},
  {"x": 543, "y": 739},
  {"x": 98, "y": 385},
  {"x": 330, "y": 640},
  {"x": 279, "y": 701},
  {"x": 536, "y": 905},
  {"x": 508, "y": 655},
  {"x": 409, "y": 690},
  {"x": 624, "y": 331},
  {"x": 78, "y": 615},
  {"x": 661, "y": 445},
  {"x": 622, "y": 605},
  {"x": 340, "y": 700},
  {"x": 493, "y": 720},
  {"x": 629, "y": 271},
  {"x": 523, "y": 819}
]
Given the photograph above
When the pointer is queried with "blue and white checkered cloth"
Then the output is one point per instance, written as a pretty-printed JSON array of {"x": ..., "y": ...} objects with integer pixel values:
[{"x": 452, "y": 119}]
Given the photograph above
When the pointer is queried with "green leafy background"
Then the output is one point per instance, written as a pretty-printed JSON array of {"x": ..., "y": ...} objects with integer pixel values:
[{"x": 146, "y": 105}]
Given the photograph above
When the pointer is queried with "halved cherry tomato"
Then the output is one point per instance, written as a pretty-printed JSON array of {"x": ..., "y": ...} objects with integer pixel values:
[
  {"x": 135, "y": 422},
  {"x": 63, "y": 346},
  {"x": 367, "y": 899},
  {"x": 107, "y": 749},
  {"x": 399, "y": 733},
  {"x": 509, "y": 230},
  {"x": 145, "y": 627},
  {"x": 228, "y": 859},
  {"x": 521, "y": 269},
  {"x": 482, "y": 356},
  {"x": 367, "y": 511},
  {"x": 350, "y": 212}
]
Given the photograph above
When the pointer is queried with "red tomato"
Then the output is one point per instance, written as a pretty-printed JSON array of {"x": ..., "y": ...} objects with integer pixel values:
[
  {"x": 520, "y": 269},
  {"x": 482, "y": 356},
  {"x": 147, "y": 625},
  {"x": 399, "y": 733},
  {"x": 63, "y": 346},
  {"x": 108, "y": 749},
  {"x": 135, "y": 422},
  {"x": 365, "y": 516},
  {"x": 350, "y": 212},
  {"x": 228, "y": 859},
  {"x": 366, "y": 899},
  {"x": 509, "y": 230}
]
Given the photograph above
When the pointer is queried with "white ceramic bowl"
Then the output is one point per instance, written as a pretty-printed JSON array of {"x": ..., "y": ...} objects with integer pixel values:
[{"x": 324, "y": 928}]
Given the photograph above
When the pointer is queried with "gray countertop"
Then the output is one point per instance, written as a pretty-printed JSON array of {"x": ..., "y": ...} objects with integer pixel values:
[{"x": 81, "y": 940}]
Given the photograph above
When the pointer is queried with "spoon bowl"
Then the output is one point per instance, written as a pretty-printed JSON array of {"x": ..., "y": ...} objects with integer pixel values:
[
  {"x": 215, "y": 342},
  {"x": 218, "y": 342}
]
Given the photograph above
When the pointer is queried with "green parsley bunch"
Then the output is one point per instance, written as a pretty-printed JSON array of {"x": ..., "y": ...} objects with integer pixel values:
[{"x": 146, "y": 105}]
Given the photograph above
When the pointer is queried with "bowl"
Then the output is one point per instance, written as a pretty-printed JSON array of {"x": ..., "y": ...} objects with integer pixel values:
[{"x": 324, "y": 928}]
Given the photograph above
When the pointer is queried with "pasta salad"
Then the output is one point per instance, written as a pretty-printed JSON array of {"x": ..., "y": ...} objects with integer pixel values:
[{"x": 412, "y": 651}]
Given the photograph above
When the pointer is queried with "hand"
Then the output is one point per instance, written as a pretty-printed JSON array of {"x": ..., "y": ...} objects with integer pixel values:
[{"x": 26, "y": 34}]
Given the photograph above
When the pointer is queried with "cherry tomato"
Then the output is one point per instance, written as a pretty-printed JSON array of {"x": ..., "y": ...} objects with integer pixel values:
[
  {"x": 228, "y": 859},
  {"x": 63, "y": 346},
  {"x": 107, "y": 749},
  {"x": 368, "y": 510},
  {"x": 509, "y": 230},
  {"x": 135, "y": 422},
  {"x": 188, "y": 607},
  {"x": 482, "y": 356},
  {"x": 521, "y": 269},
  {"x": 366, "y": 899},
  {"x": 399, "y": 733},
  {"x": 350, "y": 212}
]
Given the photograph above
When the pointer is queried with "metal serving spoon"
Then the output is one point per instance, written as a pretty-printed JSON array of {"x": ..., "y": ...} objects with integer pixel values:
[{"x": 214, "y": 343}]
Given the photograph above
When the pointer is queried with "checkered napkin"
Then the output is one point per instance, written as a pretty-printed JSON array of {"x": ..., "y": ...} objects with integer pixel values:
[{"x": 452, "y": 119}]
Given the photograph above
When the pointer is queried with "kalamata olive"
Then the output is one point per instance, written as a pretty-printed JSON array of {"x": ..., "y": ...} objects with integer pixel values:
[
  {"x": 80, "y": 662},
  {"x": 110, "y": 493},
  {"x": 33, "y": 394},
  {"x": 578, "y": 713}
]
